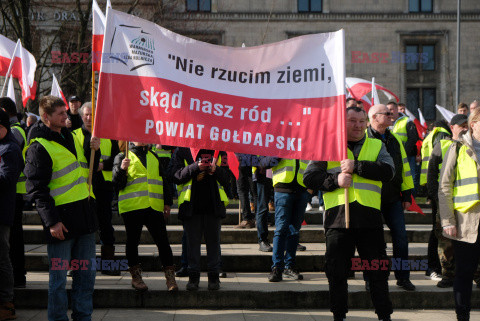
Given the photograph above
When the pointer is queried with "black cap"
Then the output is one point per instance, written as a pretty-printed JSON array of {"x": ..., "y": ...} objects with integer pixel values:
[
  {"x": 459, "y": 119},
  {"x": 74, "y": 98},
  {"x": 4, "y": 119}
]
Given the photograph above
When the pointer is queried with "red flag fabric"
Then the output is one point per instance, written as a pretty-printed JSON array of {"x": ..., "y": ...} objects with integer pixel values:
[
  {"x": 414, "y": 207},
  {"x": 57, "y": 91},
  {"x": 233, "y": 163},
  {"x": 358, "y": 88}
]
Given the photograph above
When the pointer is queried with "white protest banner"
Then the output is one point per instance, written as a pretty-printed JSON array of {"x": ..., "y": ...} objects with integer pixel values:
[{"x": 284, "y": 99}]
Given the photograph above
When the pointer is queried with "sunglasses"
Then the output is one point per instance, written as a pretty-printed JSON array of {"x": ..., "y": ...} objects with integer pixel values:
[{"x": 387, "y": 114}]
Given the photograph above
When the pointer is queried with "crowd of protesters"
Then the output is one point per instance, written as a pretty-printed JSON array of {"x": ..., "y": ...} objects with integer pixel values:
[{"x": 47, "y": 163}]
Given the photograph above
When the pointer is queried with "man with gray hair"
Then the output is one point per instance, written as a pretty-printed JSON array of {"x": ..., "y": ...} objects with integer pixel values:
[
  {"x": 397, "y": 193},
  {"x": 102, "y": 184}
]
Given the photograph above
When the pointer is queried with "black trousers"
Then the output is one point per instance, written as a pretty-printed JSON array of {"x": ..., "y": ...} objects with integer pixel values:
[
  {"x": 155, "y": 223},
  {"x": 246, "y": 185},
  {"x": 104, "y": 198},
  {"x": 433, "y": 259},
  {"x": 17, "y": 244},
  {"x": 466, "y": 262},
  {"x": 370, "y": 244}
]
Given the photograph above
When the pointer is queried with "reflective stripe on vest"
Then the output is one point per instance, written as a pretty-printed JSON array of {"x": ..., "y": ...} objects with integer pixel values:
[
  {"x": 21, "y": 187},
  {"x": 162, "y": 152},
  {"x": 465, "y": 190},
  {"x": 68, "y": 183},
  {"x": 144, "y": 186},
  {"x": 185, "y": 191},
  {"x": 365, "y": 191},
  {"x": 444, "y": 145},
  {"x": 106, "y": 153},
  {"x": 427, "y": 148},
  {"x": 400, "y": 128},
  {"x": 284, "y": 171},
  {"x": 407, "y": 179}
]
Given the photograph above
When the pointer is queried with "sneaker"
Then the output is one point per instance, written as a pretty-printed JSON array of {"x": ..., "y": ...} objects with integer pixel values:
[
  {"x": 434, "y": 276},
  {"x": 275, "y": 275},
  {"x": 321, "y": 208},
  {"x": 292, "y": 274},
  {"x": 250, "y": 224},
  {"x": 243, "y": 224},
  {"x": 445, "y": 283},
  {"x": 300, "y": 247},
  {"x": 309, "y": 207},
  {"x": 182, "y": 272},
  {"x": 264, "y": 246},
  {"x": 406, "y": 285},
  {"x": 222, "y": 275}
]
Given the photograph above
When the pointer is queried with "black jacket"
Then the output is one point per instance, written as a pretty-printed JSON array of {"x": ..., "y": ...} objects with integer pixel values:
[
  {"x": 412, "y": 138},
  {"x": 78, "y": 217},
  {"x": 317, "y": 178},
  {"x": 75, "y": 119},
  {"x": 11, "y": 164},
  {"x": 181, "y": 174},
  {"x": 392, "y": 190},
  {"x": 119, "y": 176}
]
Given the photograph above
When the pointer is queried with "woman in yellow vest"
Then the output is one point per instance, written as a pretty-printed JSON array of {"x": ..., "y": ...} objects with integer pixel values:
[
  {"x": 144, "y": 198},
  {"x": 459, "y": 203}
]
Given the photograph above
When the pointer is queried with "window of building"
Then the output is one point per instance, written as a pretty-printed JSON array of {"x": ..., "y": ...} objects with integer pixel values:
[
  {"x": 423, "y": 98},
  {"x": 420, "y": 5},
  {"x": 309, "y": 5},
  {"x": 420, "y": 57},
  {"x": 199, "y": 5}
]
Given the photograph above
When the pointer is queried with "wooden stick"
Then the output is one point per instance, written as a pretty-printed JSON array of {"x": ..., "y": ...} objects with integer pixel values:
[
  {"x": 126, "y": 150},
  {"x": 347, "y": 210},
  {"x": 92, "y": 151}
]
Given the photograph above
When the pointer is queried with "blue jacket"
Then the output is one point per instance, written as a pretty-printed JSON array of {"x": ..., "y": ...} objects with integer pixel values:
[{"x": 11, "y": 164}]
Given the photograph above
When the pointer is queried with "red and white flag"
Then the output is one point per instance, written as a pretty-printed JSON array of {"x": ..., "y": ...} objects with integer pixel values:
[
  {"x": 360, "y": 87},
  {"x": 285, "y": 99},
  {"x": 421, "y": 129},
  {"x": 422, "y": 119},
  {"x": 57, "y": 91},
  {"x": 22, "y": 67},
  {"x": 98, "y": 29}
]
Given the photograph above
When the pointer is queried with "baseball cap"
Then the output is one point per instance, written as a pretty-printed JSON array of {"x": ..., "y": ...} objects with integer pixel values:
[
  {"x": 459, "y": 119},
  {"x": 74, "y": 98}
]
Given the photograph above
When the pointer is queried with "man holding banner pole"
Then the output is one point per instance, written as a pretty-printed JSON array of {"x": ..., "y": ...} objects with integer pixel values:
[{"x": 367, "y": 166}]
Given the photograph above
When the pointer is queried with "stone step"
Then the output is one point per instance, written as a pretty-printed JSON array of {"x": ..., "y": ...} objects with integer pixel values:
[
  {"x": 235, "y": 257},
  {"x": 416, "y": 233},
  {"x": 241, "y": 290},
  {"x": 311, "y": 217}
]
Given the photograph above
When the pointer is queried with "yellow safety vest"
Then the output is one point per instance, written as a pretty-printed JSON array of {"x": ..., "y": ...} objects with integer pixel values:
[
  {"x": 365, "y": 191},
  {"x": 445, "y": 145},
  {"x": 284, "y": 171},
  {"x": 144, "y": 187},
  {"x": 400, "y": 128},
  {"x": 105, "y": 150},
  {"x": 21, "y": 187},
  {"x": 185, "y": 190},
  {"x": 465, "y": 190},
  {"x": 162, "y": 152},
  {"x": 407, "y": 179},
  {"x": 427, "y": 148},
  {"x": 68, "y": 183}
]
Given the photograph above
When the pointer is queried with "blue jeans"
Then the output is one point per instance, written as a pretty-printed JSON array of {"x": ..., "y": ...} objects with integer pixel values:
[
  {"x": 395, "y": 220},
  {"x": 262, "y": 214},
  {"x": 415, "y": 173},
  {"x": 289, "y": 213},
  {"x": 81, "y": 248}
]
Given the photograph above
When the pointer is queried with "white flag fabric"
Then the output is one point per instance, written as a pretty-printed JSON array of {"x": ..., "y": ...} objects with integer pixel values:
[
  {"x": 109, "y": 5},
  {"x": 447, "y": 114},
  {"x": 57, "y": 91},
  {"x": 410, "y": 115},
  {"x": 10, "y": 90},
  {"x": 422, "y": 119},
  {"x": 375, "y": 98}
]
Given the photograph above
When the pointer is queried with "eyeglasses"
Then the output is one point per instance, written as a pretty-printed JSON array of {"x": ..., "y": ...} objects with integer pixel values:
[{"x": 387, "y": 114}]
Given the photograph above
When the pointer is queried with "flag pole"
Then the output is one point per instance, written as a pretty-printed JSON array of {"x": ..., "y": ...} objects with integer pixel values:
[
  {"x": 9, "y": 68},
  {"x": 92, "y": 151}
]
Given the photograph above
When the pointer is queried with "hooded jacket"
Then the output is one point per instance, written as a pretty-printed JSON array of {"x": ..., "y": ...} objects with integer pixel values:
[
  {"x": 78, "y": 217},
  {"x": 11, "y": 164}
]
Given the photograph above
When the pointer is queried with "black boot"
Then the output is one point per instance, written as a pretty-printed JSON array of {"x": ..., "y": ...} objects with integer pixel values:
[
  {"x": 213, "y": 281},
  {"x": 193, "y": 280},
  {"x": 182, "y": 272}
]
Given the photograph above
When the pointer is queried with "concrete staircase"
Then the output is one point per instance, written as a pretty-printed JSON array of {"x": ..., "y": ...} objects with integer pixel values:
[{"x": 246, "y": 285}]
